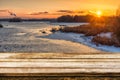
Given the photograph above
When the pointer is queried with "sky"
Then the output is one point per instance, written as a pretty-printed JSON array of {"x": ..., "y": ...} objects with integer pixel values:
[{"x": 55, "y": 8}]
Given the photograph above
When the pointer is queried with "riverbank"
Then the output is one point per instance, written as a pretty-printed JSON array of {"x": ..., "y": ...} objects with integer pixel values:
[
  {"x": 98, "y": 37},
  {"x": 28, "y": 37}
]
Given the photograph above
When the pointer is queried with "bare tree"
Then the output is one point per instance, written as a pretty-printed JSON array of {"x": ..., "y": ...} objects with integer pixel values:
[
  {"x": 117, "y": 24},
  {"x": 118, "y": 12}
]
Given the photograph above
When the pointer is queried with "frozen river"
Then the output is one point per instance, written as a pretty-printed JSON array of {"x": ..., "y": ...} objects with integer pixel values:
[{"x": 26, "y": 37}]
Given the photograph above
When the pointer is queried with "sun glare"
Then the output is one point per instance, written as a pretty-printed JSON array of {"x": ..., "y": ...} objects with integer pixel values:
[{"x": 99, "y": 13}]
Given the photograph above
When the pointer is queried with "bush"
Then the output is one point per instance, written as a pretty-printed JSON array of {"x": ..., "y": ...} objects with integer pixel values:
[
  {"x": 88, "y": 30},
  {"x": 54, "y": 29},
  {"x": 117, "y": 29},
  {"x": 1, "y": 26},
  {"x": 117, "y": 24},
  {"x": 105, "y": 41}
]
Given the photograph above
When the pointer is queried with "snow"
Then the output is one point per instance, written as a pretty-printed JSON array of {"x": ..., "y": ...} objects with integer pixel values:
[
  {"x": 80, "y": 38},
  {"x": 107, "y": 35},
  {"x": 27, "y": 37},
  {"x": 68, "y": 24}
]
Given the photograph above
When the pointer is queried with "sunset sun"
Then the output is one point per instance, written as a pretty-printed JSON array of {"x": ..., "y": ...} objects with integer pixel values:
[{"x": 99, "y": 13}]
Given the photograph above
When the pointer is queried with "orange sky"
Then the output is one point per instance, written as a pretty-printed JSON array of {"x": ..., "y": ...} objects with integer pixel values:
[{"x": 55, "y": 8}]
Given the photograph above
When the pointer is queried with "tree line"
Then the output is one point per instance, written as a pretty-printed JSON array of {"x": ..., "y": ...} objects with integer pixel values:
[{"x": 76, "y": 18}]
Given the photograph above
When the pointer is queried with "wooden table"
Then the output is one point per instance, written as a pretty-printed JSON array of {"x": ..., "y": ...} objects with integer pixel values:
[{"x": 59, "y": 66}]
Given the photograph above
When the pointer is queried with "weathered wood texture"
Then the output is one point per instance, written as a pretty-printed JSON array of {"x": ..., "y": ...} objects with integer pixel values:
[{"x": 56, "y": 67}]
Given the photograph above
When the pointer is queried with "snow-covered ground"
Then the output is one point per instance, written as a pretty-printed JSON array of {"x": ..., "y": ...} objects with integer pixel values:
[
  {"x": 68, "y": 24},
  {"x": 107, "y": 35},
  {"x": 27, "y": 37},
  {"x": 80, "y": 38}
]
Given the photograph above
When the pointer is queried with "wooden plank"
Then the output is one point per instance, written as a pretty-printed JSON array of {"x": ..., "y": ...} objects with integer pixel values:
[
  {"x": 94, "y": 64},
  {"x": 58, "y": 55}
]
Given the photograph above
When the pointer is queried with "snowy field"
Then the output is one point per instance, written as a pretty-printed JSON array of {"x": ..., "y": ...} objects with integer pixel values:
[
  {"x": 28, "y": 37},
  {"x": 80, "y": 38}
]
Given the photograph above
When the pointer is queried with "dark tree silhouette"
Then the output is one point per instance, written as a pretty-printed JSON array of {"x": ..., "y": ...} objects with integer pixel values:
[
  {"x": 76, "y": 18},
  {"x": 15, "y": 20},
  {"x": 117, "y": 25},
  {"x": 118, "y": 12},
  {"x": 65, "y": 18}
]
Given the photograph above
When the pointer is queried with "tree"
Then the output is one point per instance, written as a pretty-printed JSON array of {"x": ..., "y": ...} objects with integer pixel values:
[
  {"x": 76, "y": 18},
  {"x": 117, "y": 24},
  {"x": 65, "y": 18},
  {"x": 118, "y": 12}
]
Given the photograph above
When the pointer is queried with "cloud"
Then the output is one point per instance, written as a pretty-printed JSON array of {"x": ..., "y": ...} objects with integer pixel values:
[
  {"x": 81, "y": 12},
  {"x": 71, "y": 12},
  {"x": 65, "y": 11},
  {"x": 38, "y": 13},
  {"x": 3, "y": 10},
  {"x": 58, "y": 12}
]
